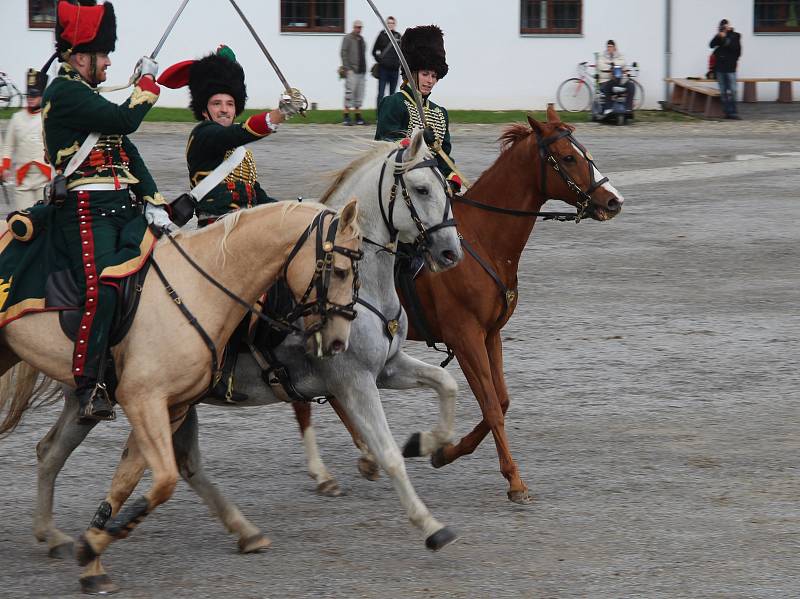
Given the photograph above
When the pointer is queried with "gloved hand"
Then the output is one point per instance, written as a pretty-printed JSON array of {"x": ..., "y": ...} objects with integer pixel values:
[
  {"x": 145, "y": 66},
  {"x": 292, "y": 103},
  {"x": 429, "y": 136},
  {"x": 158, "y": 217},
  {"x": 455, "y": 183}
]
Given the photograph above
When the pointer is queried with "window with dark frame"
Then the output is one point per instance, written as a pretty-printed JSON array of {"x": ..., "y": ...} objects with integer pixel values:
[
  {"x": 551, "y": 16},
  {"x": 776, "y": 16},
  {"x": 320, "y": 16},
  {"x": 42, "y": 14}
]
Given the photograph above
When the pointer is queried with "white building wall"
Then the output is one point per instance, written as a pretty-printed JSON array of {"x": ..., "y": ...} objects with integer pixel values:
[{"x": 491, "y": 65}]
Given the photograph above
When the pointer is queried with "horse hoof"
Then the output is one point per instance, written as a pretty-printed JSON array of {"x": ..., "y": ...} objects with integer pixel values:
[
  {"x": 329, "y": 488},
  {"x": 521, "y": 497},
  {"x": 254, "y": 544},
  {"x": 63, "y": 551},
  {"x": 437, "y": 458},
  {"x": 441, "y": 538},
  {"x": 84, "y": 552},
  {"x": 368, "y": 469},
  {"x": 98, "y": 585},
  {"x": 412, "y": 447}
]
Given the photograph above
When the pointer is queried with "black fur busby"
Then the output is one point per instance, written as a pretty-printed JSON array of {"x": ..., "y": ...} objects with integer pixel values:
[
  {"x": 85, "y": 26},
  {"x": 423, "y": 48},
  {"x": 217, "y": 73}
]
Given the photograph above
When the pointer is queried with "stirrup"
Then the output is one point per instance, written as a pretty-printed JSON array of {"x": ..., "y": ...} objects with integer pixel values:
[
  {"x": 224, "y": 390},
  {"x": 98, "y": 406}
]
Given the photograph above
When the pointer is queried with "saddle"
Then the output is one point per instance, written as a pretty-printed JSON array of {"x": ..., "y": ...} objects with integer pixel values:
[{"x": 61, "y": 290}]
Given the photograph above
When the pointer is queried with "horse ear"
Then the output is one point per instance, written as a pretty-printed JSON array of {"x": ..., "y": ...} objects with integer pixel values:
[
  {"x": 535, "y": 125},
  {"x": 348, "y": 217},
  {"x": 552, "y": 114}
]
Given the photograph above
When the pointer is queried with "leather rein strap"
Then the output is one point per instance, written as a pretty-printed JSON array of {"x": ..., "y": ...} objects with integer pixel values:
[{"x": 320, "y": 281}]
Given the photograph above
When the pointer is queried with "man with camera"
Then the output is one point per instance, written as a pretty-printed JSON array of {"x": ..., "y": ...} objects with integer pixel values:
[{"x": 727, "y": 49}]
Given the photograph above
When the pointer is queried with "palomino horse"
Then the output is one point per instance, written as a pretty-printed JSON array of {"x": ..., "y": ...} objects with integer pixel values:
[
  {"x": 373, "y": 360},
  {"x": 467, "y": 307},
  {"x": 163, "y": 364}
]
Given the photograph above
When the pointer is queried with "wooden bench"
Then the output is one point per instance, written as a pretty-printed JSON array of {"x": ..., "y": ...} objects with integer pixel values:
[
  {"x": 784, "y": 87},
  {"x": 693, "y": 96}
]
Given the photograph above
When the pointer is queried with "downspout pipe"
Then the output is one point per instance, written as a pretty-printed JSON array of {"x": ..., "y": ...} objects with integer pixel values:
[{"x": 667, "y": 47}]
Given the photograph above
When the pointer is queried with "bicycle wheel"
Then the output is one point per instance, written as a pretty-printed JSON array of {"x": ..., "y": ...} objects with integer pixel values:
[
  {"x": 638, "y": 95},
  {"x": 9, "y": 97},
  {"x": 574, "y": 95}
]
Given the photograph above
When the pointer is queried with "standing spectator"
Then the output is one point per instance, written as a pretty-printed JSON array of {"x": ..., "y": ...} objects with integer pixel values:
[
  {"x": 727, "y": 50},
  {"x": 388, "y": 62},
  {"x": 354, "y": 62},
  {"x": 25, "y": 149}
]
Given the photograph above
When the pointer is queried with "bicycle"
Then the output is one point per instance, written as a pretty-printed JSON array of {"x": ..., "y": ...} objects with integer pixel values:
[
  {"x": 10, "y": 96},
  {"x": 577, "y": 93}
]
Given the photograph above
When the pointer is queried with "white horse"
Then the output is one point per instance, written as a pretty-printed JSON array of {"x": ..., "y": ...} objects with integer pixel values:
[{"x": 374, "y": 358}]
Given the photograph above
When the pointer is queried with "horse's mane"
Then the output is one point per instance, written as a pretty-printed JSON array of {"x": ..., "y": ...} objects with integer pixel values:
[
  {"x": 377, "y": 147},
  {"x": 515, "y": 133}
]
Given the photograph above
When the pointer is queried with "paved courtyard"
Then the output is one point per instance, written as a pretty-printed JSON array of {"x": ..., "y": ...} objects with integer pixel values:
[{"x": 653, "y": 368}]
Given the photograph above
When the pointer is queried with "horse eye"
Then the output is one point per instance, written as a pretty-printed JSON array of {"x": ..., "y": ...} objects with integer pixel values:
[
  {"x": 569, "y": 158},
  {"x": 340, "y": 273},
  {"x": 423, "y": 191}
]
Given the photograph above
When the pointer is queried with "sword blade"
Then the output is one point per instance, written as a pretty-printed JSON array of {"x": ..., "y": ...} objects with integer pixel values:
[
  {"x": 406, "y": 69},
  {"x": 168, "y": 30},
  {"x": 261, "y": 45}
]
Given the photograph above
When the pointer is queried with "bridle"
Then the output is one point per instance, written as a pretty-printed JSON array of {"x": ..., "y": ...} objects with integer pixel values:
[
  {"x": 422, "y": 241},
  {"x": 584, "y": 197},
  {"x": 547, "y": 158},
  {"x": 320, "y": 282}
]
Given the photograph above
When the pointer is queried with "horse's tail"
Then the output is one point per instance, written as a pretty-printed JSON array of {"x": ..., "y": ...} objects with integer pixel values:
[{"x": 20, "y": 388}]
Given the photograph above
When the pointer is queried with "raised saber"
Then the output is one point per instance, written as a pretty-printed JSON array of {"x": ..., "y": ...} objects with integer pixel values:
[
  {"x": 169, "y": 29},
  {"x": 406, "y": 68},
  {"x": 437, "y": 147},
  {"x": 261, "y": 45}
]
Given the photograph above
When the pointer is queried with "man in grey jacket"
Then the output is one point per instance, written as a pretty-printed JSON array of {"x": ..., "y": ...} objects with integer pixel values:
[{"x": 354, "y": 63}]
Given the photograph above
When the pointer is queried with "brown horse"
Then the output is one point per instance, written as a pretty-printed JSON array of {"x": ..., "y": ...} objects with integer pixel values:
[{"x": 467, "y": 306}]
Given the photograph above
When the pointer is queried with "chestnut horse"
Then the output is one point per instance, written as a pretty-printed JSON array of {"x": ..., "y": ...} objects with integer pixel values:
[{"x": 467, "y": 306}]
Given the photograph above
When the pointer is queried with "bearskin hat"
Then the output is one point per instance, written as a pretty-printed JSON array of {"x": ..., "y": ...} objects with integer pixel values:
[
  {"x": 85, "y": 26},
  {"x": 423, "y": 48}
]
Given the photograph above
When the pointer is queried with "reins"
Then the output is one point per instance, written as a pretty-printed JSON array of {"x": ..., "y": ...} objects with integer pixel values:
[
  {"x": 319, "y": 282},
  {"x": 546, "y": 157}
]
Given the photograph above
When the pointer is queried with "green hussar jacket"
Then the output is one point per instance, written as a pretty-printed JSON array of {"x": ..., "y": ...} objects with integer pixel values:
[
  {"x": 72, "y": 109},
  {"x": 209, "y": 144},
  {"x": 398, "y": 116}
]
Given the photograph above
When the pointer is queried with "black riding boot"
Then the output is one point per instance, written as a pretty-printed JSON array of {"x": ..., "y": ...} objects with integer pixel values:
[
  {"x": 224, "y": 388},
  {"x": 95, "y": 404}
]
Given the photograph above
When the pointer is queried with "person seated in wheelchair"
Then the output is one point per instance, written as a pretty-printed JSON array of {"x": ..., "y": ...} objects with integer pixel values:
[{"x": 612, "y": 72}]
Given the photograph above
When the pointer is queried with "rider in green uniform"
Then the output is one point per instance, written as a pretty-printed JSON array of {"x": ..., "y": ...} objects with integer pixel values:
[
  {"x": 100, "y": 218},
  {"x": 398, "y": 115},
  {"x": 218, "y": 95}
]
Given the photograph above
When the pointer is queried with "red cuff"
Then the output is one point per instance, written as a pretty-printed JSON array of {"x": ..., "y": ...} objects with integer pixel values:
[
  {"x": 6, "y": 164},
  {"x": 257, "y": 124},
  {"x": 455, "y": 179},
  {"x": 148, "y": 85},
  {"x": 405, "y": 142}
]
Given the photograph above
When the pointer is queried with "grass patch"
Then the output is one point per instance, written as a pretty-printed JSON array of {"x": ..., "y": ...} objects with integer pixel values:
[{"x": 334, "y": 117}]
